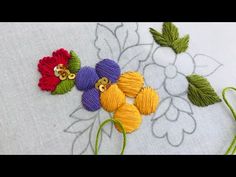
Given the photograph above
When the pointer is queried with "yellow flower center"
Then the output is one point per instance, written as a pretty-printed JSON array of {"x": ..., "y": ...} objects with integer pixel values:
[
  {"x": 103, "y": 84},
  {"x": 63, "y": 73}
]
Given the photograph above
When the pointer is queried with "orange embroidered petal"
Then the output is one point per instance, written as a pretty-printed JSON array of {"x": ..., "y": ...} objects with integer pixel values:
[
  {"x": 112, "y": 98},
  {"x": 130, "y": 83},
  {"x": 147, "y": 101},
  {"x": 129, "y": 117}
]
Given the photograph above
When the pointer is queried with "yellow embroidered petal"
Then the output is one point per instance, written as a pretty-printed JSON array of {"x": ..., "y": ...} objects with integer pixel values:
[
  {"x": 112, "y": 98},
  {"x": 147, "y": 101},
  {"x": 129, "y": 117},
  {"x": 130, "y": 83}
]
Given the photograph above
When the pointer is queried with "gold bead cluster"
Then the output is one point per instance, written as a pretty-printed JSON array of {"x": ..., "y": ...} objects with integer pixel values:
[
  {"x": 63, "y": 73},
  {"x": 102, "y": 84}
]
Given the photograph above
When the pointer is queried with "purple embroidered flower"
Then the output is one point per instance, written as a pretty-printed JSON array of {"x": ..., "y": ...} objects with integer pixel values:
[{"x": 87, "y": 77}]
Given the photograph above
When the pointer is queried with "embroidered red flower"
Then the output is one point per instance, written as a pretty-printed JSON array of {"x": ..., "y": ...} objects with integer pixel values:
[{"x": 58, "y": 71}]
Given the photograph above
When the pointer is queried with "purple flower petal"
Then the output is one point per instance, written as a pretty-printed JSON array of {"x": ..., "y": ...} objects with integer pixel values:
[
  {"x": 91, "y": 99},
  {"x": 109, "y": 69},
  {"x": 86, "y": 78}
]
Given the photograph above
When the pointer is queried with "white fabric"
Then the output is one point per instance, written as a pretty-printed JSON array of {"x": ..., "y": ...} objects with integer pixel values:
[{"x": 35, "y": 122}]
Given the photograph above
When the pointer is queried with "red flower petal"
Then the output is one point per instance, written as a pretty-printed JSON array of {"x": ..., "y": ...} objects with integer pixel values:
[
  {"x": 46, "y": 66},
  {"x": 49, "y": 83},
  {"x": 62, "y": 56}
]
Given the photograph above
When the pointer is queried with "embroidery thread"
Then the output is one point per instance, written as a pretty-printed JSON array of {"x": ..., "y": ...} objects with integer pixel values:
[
  {"x": 170, "y": 38},
  {"x": 200, "y": 92},
  {"x": 174, "y": 120},
  {"x": 106, "y": 88},
  {"x": 232, "y": 148},
  {"x": 58, "y": 72},
  {"x": 101, "y": 88},
  {"x": 100, "y": 129}
]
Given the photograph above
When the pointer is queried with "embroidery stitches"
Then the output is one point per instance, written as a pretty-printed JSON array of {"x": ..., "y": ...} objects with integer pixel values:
[
  {"x": 106, "y": 93},
  {"x": 170, "y": 38},
  {"x": 232, "y": 148},
  {"x": 175, "y": 111},
  {"x": 87, "y": 79},
  {"x": 58, "y": 72},
  {"x": 200, "y": 92},
  {"x": 130, "y": 54}
]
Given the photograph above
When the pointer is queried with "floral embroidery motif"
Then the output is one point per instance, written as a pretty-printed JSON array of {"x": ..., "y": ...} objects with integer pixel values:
[
  {"x": 56, "y": 74},
  {"x": 87, "y": 80},
  {"x": 200, "y": 91},
  {"x": 174, "y": 118},
  {"x": 170, "y": 38},
  {"x": 123, "y": 46},
  {"x": 110, "y": 92},
  {"x": 100, "y": 87}
]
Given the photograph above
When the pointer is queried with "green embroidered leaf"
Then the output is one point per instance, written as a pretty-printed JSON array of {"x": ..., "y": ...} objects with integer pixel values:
[
  {"x": 181, "y": 45},
  {"x": 170, "y": 32},
  {"x": 158, "y": 37},
  {"x": 74, "y": 62},
  {"x": 170, "y": 38},
  {"x": 200, "y": 92},
  {"x": 64, "y": 87}
]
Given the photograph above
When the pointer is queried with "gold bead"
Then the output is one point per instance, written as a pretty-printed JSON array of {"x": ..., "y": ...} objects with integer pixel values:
[
  {"x": 55, "y": 68},
  {"x": 99, "y": 81},
  {"x": 97, "y": 85},
  {"x": 103, "y": 80},
  {"x": 56, "y": 73},
  {"x": 102, "y": 88},
  {"x": 63, "y": 77},
  {"x": 71, "y": 76}
]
